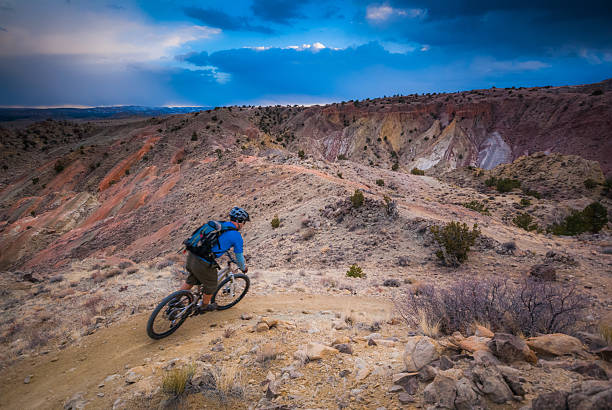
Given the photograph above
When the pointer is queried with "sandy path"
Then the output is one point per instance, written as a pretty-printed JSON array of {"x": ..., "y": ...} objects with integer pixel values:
[{"x": 59, "y": 375}]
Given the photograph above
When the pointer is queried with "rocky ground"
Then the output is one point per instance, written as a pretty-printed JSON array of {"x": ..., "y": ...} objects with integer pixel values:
[{"x": 93, "y": 215}]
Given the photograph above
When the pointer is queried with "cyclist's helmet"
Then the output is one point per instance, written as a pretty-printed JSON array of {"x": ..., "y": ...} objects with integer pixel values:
[{"x": 238, "y": 214}]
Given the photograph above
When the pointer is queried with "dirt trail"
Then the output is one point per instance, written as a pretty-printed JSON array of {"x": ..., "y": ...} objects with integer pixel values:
[{"x": 59, "y": 375}]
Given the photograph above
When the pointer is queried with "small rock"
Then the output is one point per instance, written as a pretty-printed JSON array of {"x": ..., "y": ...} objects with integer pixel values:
[
  {"x": 341, "y": 340},
  {"x": 490, "y": 382},
  {"x": 589, "y": 369},
  {"x": 556, "y": 400},
  {"x": 132, "y": 377},
  {"x": 246, "y": 316},
  {"x": 406, "y": 398},
  {"x": 371, "y": 342},
  {"x": 76, "y": 402},
  {"x": 339, "y": 325},
  {"x": 446, "y": 363},
  {"x": 466, "y": 396},
  {"x": 363, "y": 373},
  {"x": 510, "y": 348},
  {"x": 317, "y": 351},
  {"x": 100, "y": 394},
  {"x": 473, "y": 343},
  {"x": 27, "y": 379},
  {"x": 441, "y": 392},
  {"x": 419, "y": 351},
  {"x": 403, "y": 261},
  {"x": 262, "y": 327},
  {"x": 485, "y": 357},
  {"x": 396, "y": 388},
  {"x": 344, "y": 348},
  {"x": 427, "y": 373},
  {"x": 556, "y": 344}
]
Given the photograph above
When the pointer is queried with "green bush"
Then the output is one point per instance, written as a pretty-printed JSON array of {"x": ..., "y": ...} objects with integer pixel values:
[
  {"x": 194, "y": 136},
  {"x": 524, "y": 202},
  {"x": 357, "y": 198},
  {"x": 591, "y": 219},
  {"x": 416, "y": 171},
  {"x": 590, "y": 183},
  {"x": 342, "y": 157},
  {"x": 275, "y": 222},
  {"x": 35, "y": 180},
  {"x": 531, "y": 192},
  {"x": 380, "y": 182},
  {"x": 301, "y": 154},
  {"x": 455, "y": 240},
  {"x": 395, "y": 167},
  {"x": 355, "y": 272},
  {"x": 58, "y": 167},
  {"x": 478, "y": 207},
  {"x": 507, "y": 184},
  {"x": 525, "y": 221},
  {"x": 607, "y": 188}
]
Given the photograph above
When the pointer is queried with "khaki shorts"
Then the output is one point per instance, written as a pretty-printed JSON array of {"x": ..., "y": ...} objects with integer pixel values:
[{"x": 201, "y": 273}]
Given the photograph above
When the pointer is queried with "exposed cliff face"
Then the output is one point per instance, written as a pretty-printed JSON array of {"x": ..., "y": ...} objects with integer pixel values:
[{"x": 137, "y": 186}]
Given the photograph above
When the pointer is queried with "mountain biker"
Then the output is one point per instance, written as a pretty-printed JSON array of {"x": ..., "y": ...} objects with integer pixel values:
[{"x": 204, "y": 272}]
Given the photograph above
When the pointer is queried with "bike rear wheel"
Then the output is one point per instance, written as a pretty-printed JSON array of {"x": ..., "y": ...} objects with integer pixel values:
[
  {"x": 230, "y": 292},
  {"x": 170, "y": 314}
]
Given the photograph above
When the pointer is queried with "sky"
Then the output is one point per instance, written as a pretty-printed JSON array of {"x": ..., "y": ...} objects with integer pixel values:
[{"x": 265, "y": 52}]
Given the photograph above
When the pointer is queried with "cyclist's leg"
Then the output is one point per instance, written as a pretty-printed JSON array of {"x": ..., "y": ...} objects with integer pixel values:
[{"x": 205, "y": 274}]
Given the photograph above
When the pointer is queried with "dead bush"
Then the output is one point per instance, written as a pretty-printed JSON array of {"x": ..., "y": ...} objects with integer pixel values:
[
  {"x": 266, "y": 353},
  {"x": 528, "y": 308}
]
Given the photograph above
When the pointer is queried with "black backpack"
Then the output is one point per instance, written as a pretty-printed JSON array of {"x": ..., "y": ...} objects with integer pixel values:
[{"x": 204, "y": 238}]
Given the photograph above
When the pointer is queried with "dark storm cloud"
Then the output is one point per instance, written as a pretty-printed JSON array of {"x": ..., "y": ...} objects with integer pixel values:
[
  {"x": 224, "y": 21},
  {"x": 278, "y": 11},
  {"x": 508, "y": 28}
]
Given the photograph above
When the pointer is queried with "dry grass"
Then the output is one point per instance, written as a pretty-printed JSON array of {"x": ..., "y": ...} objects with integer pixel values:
[
  {"x": 267, "y": 353},
  {"x": 229, "y": 332},
  {"x": 428, "y": 327},
  {"x": 175, "y": 380},
  {"x": 605, "y": 331},
  {"x": 229, "y": 382}
]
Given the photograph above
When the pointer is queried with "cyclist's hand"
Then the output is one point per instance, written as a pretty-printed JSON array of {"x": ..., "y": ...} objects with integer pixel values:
[{"x": 246, "y": 269}]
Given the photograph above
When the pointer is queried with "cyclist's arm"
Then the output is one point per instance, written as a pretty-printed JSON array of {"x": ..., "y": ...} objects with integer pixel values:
[{"x": 239, "y": 252}]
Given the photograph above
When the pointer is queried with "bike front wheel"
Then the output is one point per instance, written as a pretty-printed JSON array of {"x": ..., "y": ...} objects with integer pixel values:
[
  {"x": 170, "y": 314},
  {"x": 231, "y": 291}
]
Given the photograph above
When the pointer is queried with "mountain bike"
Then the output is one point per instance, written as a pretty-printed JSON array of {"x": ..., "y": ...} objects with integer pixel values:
[{"x": 175, "y": 308}]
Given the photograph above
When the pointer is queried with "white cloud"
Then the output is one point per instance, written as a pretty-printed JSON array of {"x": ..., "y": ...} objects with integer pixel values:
[
  {"x": 488, "y": 65},
  {"x": 378, "y": 13},
  {"x": 104, "y": 35},
  {"x": 314, "y": 47}
]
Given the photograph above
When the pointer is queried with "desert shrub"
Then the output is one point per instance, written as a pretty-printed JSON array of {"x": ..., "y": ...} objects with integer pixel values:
[
  {"x": 590, "y": 183},
  {"x": 175, "y": 380},
  {"x": 35, "y": 180},
  {"x": 395, "y": 166},
  {"x": 357, "y": 198},
  {"x": 342, "y": 157},
  {"x": 524, "y": 202},
  {"x": 607, "y": 188},
  {"x": 416, "y": 171},
  {"x": 605, "y": 331},
  {"x": 597, "y": 92},
  {"x": 275, "y": 222},
  {"x": 591, "y": 219},
  {"x": 532, "y": 193},
  {"x": 339, "y": 174},
  {"x": 455, "y": 240},
  {"x": 355, "y": 272},
  {"x": 301, "y": 154},
  {"x": 267, "y": 353},
  {"x": 380, "y": 182},
  {"x": 58, "y": 167},
  {"x": 194, "y": 136},
  {"x": 525, "y": 221},
  {"x": 507, "y": 184},
  {"x": 527, "y": 308},
  {"x": 478, "y": 207}
]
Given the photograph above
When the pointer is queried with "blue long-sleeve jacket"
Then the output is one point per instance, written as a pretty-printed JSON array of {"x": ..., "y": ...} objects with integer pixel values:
[{"x": 228, "y": 240}]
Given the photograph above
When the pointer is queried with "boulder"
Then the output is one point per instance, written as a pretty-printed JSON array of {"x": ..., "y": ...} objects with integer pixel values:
[
  {"x": 466, "y": 394},
  {"x": 490, "y": 382},
  {"x": 427, "y": 373},
  {"x": 485, "y": 357},
  {"x": 420, "y": 351},
  {"x": 556, "y": 344},
  {"x": 76, "y": 402},
  {"x": 442, "y": 392},
  {"x": 556, "y": 400},
  {"x": 344, "y": 348},
  {"x": 509, "y": 348},
  {"x": 408, "y": 382},
  {"x": 318, "y": 351},
  {"x": 589, "y": 369}
]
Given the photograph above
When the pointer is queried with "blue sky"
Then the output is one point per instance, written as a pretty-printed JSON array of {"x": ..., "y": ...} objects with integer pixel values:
[{"x": 180, "y": 52}]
